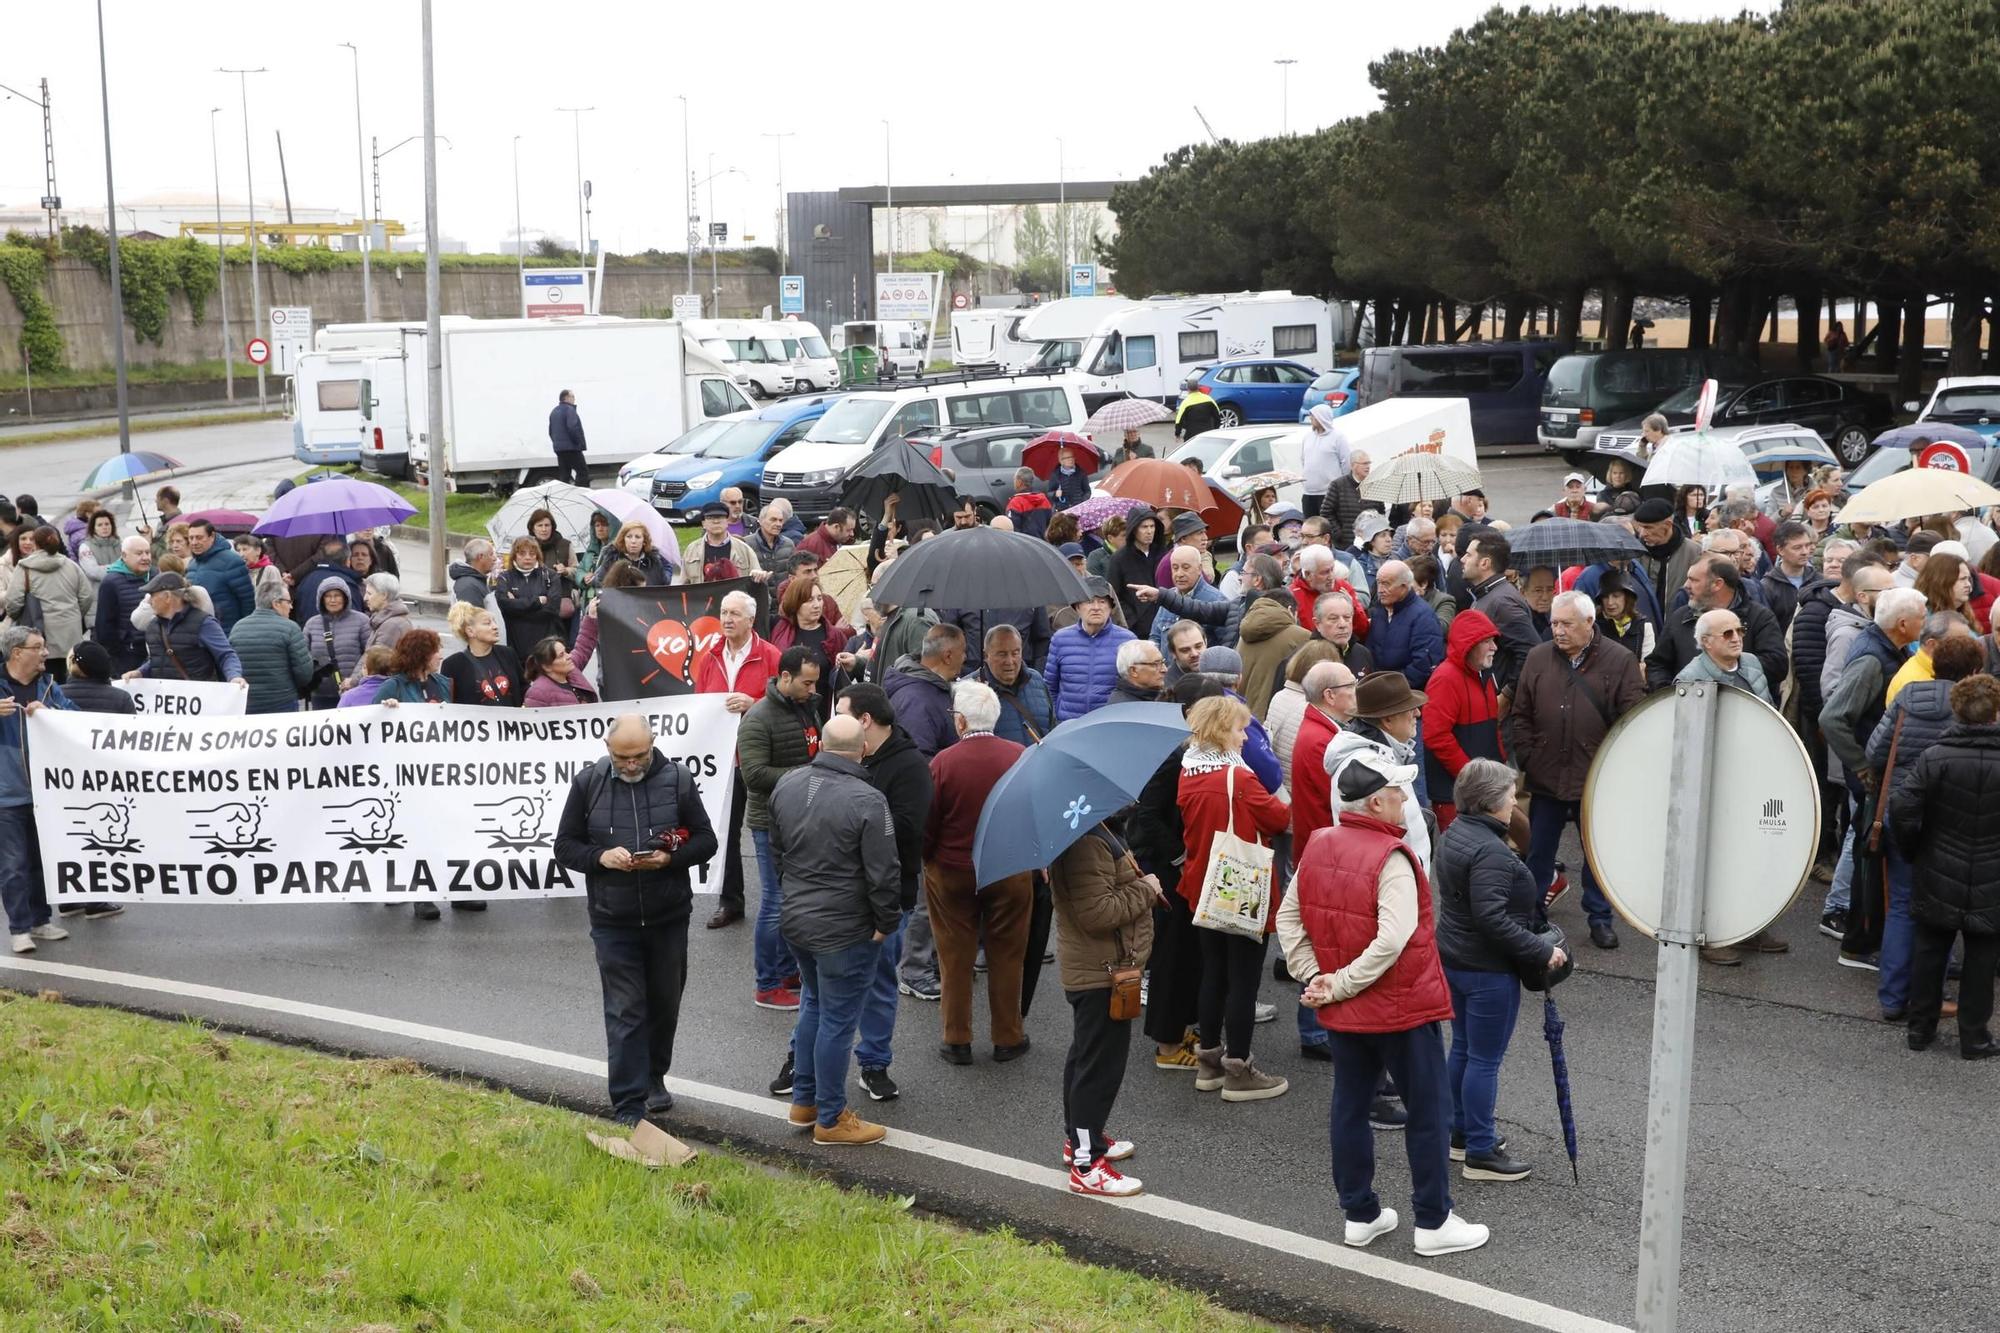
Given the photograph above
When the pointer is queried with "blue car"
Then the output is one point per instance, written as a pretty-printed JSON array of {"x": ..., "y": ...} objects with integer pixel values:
[
  {"x": 734, "y": 456},
  {"x": 1336, "y": 388},
  {"x": 1256, "y": 388}
]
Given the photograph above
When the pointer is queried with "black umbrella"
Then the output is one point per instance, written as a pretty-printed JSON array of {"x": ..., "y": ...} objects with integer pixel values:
[
  {"x": 1562, "y": 542},
  {"x": 901, "y": 469},
  {"x": 974, "y": 569},
  {"x": 1552, "y": 1028}
]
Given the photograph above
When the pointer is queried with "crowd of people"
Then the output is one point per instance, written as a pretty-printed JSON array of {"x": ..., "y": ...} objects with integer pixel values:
[{"x": 1385, "y": 697}]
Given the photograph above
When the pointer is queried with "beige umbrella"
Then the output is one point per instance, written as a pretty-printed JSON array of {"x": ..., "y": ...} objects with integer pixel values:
[
  {"x": 1917, "y": 492},
  {"x": 1413, "y": 476},
  {"x": 844, "y": 578}
]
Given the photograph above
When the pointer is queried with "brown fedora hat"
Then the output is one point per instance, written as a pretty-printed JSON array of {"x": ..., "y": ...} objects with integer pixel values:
[{"x": 1385, "y": 694}]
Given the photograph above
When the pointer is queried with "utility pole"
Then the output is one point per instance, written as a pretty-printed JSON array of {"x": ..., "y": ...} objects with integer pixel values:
[
  {"x": 440, "y": 485},
  {"x": 221, "y": 262},
  {"x": 361, "y": 178},
  {"x": 520, "y": 257},
  {"x": 111, "y": 216},
  {"x": 250, "y": 198},
  {"x": 284, "y": 178},
  {"x": 1062, "y": 212},
  {"x": 687, "y": 174},
  {"x": 714, "y": 279},
  {"x": 889, "y": 191},
  {"x": 1284, "y": 94},
  {"x": 582, "y": 226},
  {"x": 784, "y": 230},
  {"x": 51, "y": 201}
]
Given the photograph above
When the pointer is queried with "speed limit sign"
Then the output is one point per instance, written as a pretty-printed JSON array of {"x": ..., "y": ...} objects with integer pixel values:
[{"x": 258, "y": 351}]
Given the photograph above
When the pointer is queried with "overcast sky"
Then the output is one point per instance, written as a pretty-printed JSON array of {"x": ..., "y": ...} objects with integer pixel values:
[{"x": 973, "y": 94}]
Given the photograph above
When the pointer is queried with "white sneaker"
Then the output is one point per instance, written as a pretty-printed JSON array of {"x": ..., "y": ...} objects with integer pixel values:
[
  {"x": 24, "y": 943},
  {"x": 1103, "y": 1181},
  {"x": 49, "y": 931},
  {"x": 1456, "y": 1234},
  {"x": 1364, "y": 1233},
  {"x": 1266, "y": 1013}
]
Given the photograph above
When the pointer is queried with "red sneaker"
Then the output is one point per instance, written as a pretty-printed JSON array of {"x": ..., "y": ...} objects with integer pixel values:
[
  {"x": 1557, "y": 888},
  {"x": 1102, "y": 1181},
  {"x": 1119, "y": 1150},
  {"x": 778, "y": 997}
]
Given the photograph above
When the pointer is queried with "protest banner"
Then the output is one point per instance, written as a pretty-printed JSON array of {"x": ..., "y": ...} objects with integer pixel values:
[
  {"x": 372, "y": 804},
  {"x": 650, "y": 641},
  {"x": 186, "y": 698}
]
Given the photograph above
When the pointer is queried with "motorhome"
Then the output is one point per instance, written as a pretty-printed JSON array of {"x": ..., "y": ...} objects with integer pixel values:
[
  {"x": 905, "y": 343},
  {"x": 1051, "y": 336},
  {"x": 323, "y": 395},
  {"x": 1148, "y": 349},
  {"x": 814, "y": 365},
  {"x": 749, "y": 351}
]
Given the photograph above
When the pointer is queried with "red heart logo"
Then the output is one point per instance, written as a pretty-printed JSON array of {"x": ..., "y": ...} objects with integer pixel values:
[
  {"x": 707, "y": 638},
  {"x": 671, "y": 645}
]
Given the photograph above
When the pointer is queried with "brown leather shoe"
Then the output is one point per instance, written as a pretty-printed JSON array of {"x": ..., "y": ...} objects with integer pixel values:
[
  {"x": 803, "y": 1117},
  {"x": 850, "y": 1129},
  {"x": 1722, "y": 955},
  {"x": 1949, "y": 1009},
  {"x": 725, "y": 916},
  {"x": 1765, "y": 942}
]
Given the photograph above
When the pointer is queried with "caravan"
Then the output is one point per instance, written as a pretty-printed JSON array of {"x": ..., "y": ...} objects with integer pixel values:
[
  {"x": 991, "y": 337},
  {"x": 1051, "y": 337},
  {"x": 1149, "y": 349},
  {"x": 751, "y": 353},
  {"x": 324, "y": 392},
  {"x": 814, "y": 365}
]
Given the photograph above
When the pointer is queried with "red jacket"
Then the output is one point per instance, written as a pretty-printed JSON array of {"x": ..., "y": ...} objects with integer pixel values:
[
  {"x": 757, "y": 670},
  {"x": 1205, "y": 812},
  {"x": 962, "y": 777},
  {"x": 1337, "y": 883},
  {"x": 1312, "y": 789},
  {"x": 820, "y": 542},
  {"x": 1461, "y": 706},
  {"x": 1566, "y": 508},
  {"x": 1985, "y": 589},
  {"x": 1305, "y": 597},
  {"x": 784, "y": 633}
]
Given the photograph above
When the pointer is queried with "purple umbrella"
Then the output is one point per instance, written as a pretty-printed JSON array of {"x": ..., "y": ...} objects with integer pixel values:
[
  {"x": 1091, "y": 513},
  {"x": 335, "y": 507}
]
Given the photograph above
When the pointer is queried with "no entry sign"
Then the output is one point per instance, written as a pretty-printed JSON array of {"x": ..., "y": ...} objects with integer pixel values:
[
  {"x": 1945, "y": 455},
  {"x": 258, "y": 351}
]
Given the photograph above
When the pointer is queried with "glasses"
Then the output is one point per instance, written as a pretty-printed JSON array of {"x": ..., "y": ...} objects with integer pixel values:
[
  {"x": 1730, "y": 633},
  {"x": 1154, "y": 662}
]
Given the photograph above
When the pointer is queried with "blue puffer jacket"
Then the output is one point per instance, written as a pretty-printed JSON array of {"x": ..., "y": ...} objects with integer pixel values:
[
  {"x": 14, "y": 789},
  {"x": 1406, "y": 638},
  {"x": 1031, "y": 693},
  {"x": 1082, "y": 669},
  {"x": 222, "y": 572}
]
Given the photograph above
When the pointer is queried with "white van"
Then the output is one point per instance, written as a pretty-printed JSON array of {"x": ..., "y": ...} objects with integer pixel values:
[
  {"x": 810, "y": 473},
  {"x": 749, "y": 351},
  {"x": 904, "y": 342},
  {"x": 1051, "y": 336},
  {"x": 814, "y": 365},
  {"x": 1148, "y": 350},
  {"x": 323, "y": 395}
]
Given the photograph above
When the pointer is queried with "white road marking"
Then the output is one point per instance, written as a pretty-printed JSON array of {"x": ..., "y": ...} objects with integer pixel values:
[{"x": 1361, "y": 1263}]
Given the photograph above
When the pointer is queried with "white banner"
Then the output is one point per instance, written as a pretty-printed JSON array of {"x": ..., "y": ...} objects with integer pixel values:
[
  {"x": 186, "y": 698},
  {"x": 371, "y": 804}
]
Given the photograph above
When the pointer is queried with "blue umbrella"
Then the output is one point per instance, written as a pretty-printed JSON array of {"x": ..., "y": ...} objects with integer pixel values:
[
  {"x": 1086, "y": 770},
  {"x": 1902, "y": 437},
  {"x": 1552, "y": 1029},
  {"x": 121, "y": 468}
]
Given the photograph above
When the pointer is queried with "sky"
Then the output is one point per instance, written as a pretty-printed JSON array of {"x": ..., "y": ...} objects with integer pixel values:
[{"x": 973, "y": 94}]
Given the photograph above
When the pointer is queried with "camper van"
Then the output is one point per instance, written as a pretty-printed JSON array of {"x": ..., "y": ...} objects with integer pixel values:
[
  {"x": 1051, "y": 336},
  {"x": 749, "y": 352},
  {"x": 814, "y": 365},
  {"x": 324, "y": 392},
  {"x": 1149, "y": 349}
]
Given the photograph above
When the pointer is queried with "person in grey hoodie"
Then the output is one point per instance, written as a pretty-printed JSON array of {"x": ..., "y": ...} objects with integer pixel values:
[{"x": 920, "y": 688}]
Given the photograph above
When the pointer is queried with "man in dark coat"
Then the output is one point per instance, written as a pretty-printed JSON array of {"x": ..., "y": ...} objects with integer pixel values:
[
  {"x": 566, "y": 435},
  {"x": 779, "y": 733},
  {"x": 1343, "y": 503},
  {"x": 1714, "y": 583}
]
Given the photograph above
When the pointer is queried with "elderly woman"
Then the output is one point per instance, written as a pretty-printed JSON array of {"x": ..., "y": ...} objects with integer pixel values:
[
  {"x": 264, "y": 575},
  {"x": 388, "y": 618},
  {"x": 530, "y": 595},
  {"x": 67, "y": 600},
  {"x": 1652, "y": 434},
  {"x": 1489, "y": 921},
  {"x": 414, "y": 671},
  {"x": 486, "y": 672},
  {"x": 337, "y": 636},
  {"x": 634, "y": 546},
  {"x": 555, "y": 674},
  {"x": 1943, "y": 810},
  {"x": 1218, "y": 793}
]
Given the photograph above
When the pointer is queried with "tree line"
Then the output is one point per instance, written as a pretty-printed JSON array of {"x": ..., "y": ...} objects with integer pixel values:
[{"x": 1833, "y": 149}]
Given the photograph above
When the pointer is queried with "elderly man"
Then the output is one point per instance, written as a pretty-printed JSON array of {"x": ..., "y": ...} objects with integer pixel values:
[
  {"x": 964, "y": 911},
  {"x": 1668, "y": 554},
  {"x": 1334, "y": 617},
  {"x": 471, "y": 576},
  {"x": 26, "y": 687},
  {"x": 1719, "y": 634},
  {"x": 1715, "y": 583},
  {"x": 1188, "y": 589},
  {"x": 1029, "y": 507},
  {"x": 768, "y": 542},
  {"x": 780, "y": 732},
  {"x": 1485, "y": 559},
  {"x": 1083, "y": 658},
  {"x": 715, "y": 544},
  {"x": 1938, "y": 626},
  {"x": 1027, "y": 711},
  {"x": 738, "y": 668},
  {"x": 1406, "y": 636},
  {"x": 184, "y": 642},
  {"x": 117, "y": 598},
  {"x": 834, "y": 842},
  {"x": 1571, "y": 690},
  {"x": 1343, "y": 504},
  {"x": 1185, "y": 642},
  {"x": 272, "y": 649},
  {"x": 1031, "y": 622},
  {"x": 1358, "y": 930},
  {"x": 1330, "y": 701},
  {"x": 1142, "y": 673},
  {"x": 1267, "y": 632},
  {"x": 632, "y": 826},
  {"x": 920, "y": 688},
  {"x": 1741, "y": 549},
  {"x": 732, "y": 500}
]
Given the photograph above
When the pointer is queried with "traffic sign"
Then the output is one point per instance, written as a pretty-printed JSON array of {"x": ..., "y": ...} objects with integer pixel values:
[
  {"x": 1083, "y": 279},
  {"x": 718, "y": 233},
  {"x": 791, "y": 294},
  {"x": 1945, "y": 455},
  {"x": 291, "y": 335},
  {"x": 960, "y": 301},
  {"x": 687, "y": 306},
  {"x": 904, "y": 295},
  {"x": 549, "y": 292},
  {"x": 258, "y": 351}
]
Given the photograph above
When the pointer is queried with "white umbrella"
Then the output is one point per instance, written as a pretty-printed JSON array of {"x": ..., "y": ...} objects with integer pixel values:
[
  {"x": 1698, "y": 459},
  {"x": 570, "y": 506},
  {"x": 1917, "y": 492},
  {"x": 629, "y": 508},
  {"x": 1413, "y": 476}
]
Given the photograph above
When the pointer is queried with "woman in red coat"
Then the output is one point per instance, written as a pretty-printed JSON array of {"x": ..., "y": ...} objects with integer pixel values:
[
  {"x": 1218, "y": 791},
  {"x": 1462, "y": 709}
]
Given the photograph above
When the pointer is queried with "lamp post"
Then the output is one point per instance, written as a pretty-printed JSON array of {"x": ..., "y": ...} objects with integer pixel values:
[
  {"x": 221, "y": 263},
  {"x": 687, "y": 175},
  {"x": 377, "y": 154},
  {"x": 1062, "y": 211},
  {"x": 784, "y": 231},
  {"x": 440, "y": 485},
  {"x": 520, "y": 258},
  {"x": 360, "y": 175},
  {"x": 1284, "y": 94},
  {"x": 576, "y": 127},
  {"x": 250, "y": 199},
  {"x": 889, "y": 191},
  {"x": 111, "y": 216},
  {"x": 715, "y": 281}
]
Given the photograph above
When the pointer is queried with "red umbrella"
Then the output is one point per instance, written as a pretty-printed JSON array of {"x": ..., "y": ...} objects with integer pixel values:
[
  {"x": 1159, "y": 483},
  {"x": 228, "y": 522},
  {"x": 1041, "y": 452},
  {"x": 1225, "y": 517}
]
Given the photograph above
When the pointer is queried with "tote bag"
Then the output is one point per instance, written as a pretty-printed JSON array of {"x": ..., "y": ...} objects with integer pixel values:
[{"x": 1236, "y": 891}]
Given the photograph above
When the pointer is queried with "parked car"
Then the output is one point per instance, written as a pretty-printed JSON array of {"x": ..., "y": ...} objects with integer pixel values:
[
  {"x": 1255, "y": 389},
  {"x": 637, "y": 475},
  {"x": 1500, "y": 381},
  {"x": 1233, "y": 453},
  {"x": 1338, "y": 389},
  {"x": 982, "y": 459},
  {"x": 1587, "y": 391},
  {"x": 1964, "y": 400},
  {"x": 1847, "y": 418},
  {"x": 733, "y": 456},
  {"x": 1891, "y": 459}
]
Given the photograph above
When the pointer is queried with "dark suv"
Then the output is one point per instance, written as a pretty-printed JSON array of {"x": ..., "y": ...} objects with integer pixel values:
[{"x": 1846, "y": 417}]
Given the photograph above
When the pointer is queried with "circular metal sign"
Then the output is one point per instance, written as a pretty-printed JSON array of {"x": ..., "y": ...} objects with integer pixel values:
[
  {"x": 258, "y": 351},
  {"x": 1945, "y": 455},
  {"x": 1763, "y": 816}
]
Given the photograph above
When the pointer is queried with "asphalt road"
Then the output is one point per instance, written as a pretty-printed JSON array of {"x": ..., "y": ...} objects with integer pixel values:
[{"x": 54, "y": 473}]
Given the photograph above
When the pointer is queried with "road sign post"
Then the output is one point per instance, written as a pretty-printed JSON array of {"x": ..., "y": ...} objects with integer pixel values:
[
  {"x": 791, "y": 294},
  {"x": 1083, "y": 279},
  {"x": 291, "y": 336}
]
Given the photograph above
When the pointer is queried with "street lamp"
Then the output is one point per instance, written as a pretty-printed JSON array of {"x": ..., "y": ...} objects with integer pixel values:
[
  {"x": 1062, "y": 209},
  {"x": 714, "y": 276},
  {"x": 377, "y": 154},
  {"x": 111, "y": 215},
  {"x": 361, "y": 179},
  {"x": 784, "y": 231},
  {"x": 1284, "y": 94},
  {"x": 687, "y": 175},
  {"x": 576, "y": 126},
  {"x": 250, "y": 197},
  {"x": 520, "y": 260},
  {"x": 889, "y": 191},
  {"x": 221, "y": 261}
]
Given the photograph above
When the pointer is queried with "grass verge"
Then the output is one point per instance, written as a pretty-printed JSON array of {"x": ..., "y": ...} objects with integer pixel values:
[
  {"x": 161, "y": 1176},
  {"x": 464, "y": 511},
  {"x": 138, "y": 425},
  {"x": 163, "y": 372}
]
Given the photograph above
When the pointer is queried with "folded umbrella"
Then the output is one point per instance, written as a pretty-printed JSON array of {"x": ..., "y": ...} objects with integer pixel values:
[
  {"x": 1123, "y": 414},
  {"x": 977, "y": 569},
  {"x": 1086, "y": 770},
  {"x": 334, "y": 508},
  {"x": 1561, "y": 542},
  {"x": 570, "y": 506},
  {"x": 1043, "y": 452},
  {"x": 1410, "y": 477},
  {"x": 903, "y": 470},
  {"x": 1552, "y": 1030}
]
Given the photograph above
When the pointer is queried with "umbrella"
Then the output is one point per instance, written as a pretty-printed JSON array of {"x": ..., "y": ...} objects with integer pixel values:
[
  {"x": 904, "y": 470},
  {"x": 1225, "y": 516},
  {"x": 1562, "y": 542},
  {"x": 570, "y": 506},
  {"x": 1123, "y": 414},
  {"x": 1090, "y": 515},
  {"x": 1084, "y": 771},
  {"x": 1552, "y": 1029},
  {"x": 626, "y": 507},
  {"x": 1042, "y": 450},
  {"x": 1779, "y": 450},
  {"x": 334, "y": 508},
  {"x": 1698, "y": 459},
  {"x": 1915, "y": 493},
  {"x": 976, "y": 569},
  {"x": 1245, "y": 487},
  {"x": 844, "y": 577},
  {"x": 228, "y": 522},
  {"x": 1413, "y": 476},
  {"x": 121, "y": 468},
  {"x": 1160, "y": 484},
  {"x": 1598, "y": 461},
  {"x": 1930, "y": 432}
]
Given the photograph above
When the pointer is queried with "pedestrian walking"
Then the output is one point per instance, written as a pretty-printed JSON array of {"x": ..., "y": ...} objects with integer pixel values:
[
  {"x": 780, "y": 732},
  {"x": 272, "y": 648},
  {"x": 337, "y": 637},
  {"x": 566, "y": 438},
  {"x": 834, "y": 845},
  {"x": 633, "y": 826},
  {"x": 26, "y": 687}
]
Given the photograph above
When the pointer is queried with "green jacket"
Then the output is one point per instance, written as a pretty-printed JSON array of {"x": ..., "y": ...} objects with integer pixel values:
[
  {"x": 275, "y": 660},
  {"x": 775, "y": 737}
]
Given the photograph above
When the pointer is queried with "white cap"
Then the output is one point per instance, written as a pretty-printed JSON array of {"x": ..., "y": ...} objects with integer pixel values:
[
  {"x": 1577, "y": 477},
  {"x": 1367, "y": 771}
]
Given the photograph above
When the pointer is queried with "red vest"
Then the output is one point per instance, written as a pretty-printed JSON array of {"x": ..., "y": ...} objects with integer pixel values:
[{"x": 1336, "y": 882}]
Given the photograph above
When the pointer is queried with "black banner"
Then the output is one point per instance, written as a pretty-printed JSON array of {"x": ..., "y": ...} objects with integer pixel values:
[{"x": 651, "y": 641}]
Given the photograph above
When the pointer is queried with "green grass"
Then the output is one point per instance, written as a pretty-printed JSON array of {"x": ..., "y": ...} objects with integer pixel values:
[
  {"x": 165, "y": 372},
  {"x": 137, "y": 425},
  {"x": 158, "y": 1176}
]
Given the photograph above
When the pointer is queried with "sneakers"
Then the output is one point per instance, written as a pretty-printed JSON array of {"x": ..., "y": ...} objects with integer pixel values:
[
  {"x": 926, "y": 990},
  {"x": 793, "y": 982},
  {"x": 1118, "y": 1151},
  {"x": 979, "y": 963},
  {"x": 781, "y": 1086},
  {"x": 1265, "y": 1013},
  {"x": 1101, "y": 1180},
  {"x": 49, "y": 931},
  {"x": 852, "y": 1131},
  {"x": 778, "y": 997},
  {"x": 879, "y": 1086},
  {"x": 1179, "y": 1060},
  {"x": 1366, "y": 1233},
  {"x": 74, "y": 909},
  {"x": 23, "y": 943},
  {"x": 1455, "y": 1235},
  {"x": 1823, "y": 871},
  {"x": 1458, "y": 1147},
  {"x": 1834, "y": 925},
  {"x": 1497, "y": 1165},
  {"x": 1242, "y": 1081},
  {"x": 1316, "y": 1050},
  {"x": 1557, "y": 887},
  {"x": 99, "y": 911},
  {"x": 803, "y": 1117},
  {"x": 1208, "y": 1075},
  {"x": 1387, "y": 1113},
  {"x": 1866, "y": 962}
]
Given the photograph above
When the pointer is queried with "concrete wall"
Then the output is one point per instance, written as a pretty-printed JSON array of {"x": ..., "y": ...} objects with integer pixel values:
[{"x": 82, "y": 301}]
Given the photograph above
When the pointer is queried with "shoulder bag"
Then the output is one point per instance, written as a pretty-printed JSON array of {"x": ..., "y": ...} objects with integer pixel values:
[
  {"x": 31, "y": 616},
  {"x": 1884, "y": 786},
  {"x": 1236, "y": 890}
]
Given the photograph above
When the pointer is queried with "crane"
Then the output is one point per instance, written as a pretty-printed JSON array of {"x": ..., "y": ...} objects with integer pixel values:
[{"x": 1205, "y": 125}]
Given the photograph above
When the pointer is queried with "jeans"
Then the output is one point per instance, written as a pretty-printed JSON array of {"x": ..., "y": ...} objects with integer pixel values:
[
  {"x": 1484, "y": 1006},
  {"x": 1546, "y": 817},
  {"x": 919, "y": 966},
  {"x": 878, "y": 1009},
  {"x": 773, "y": 956},
  {"x": 1841, "y": 892},
  {"x": 1093, "y": 1071},
  {"x": 1892, "y": 983},
  {"x": 643, "y": 971},
  {"x": 1416, "y": 1059},
  {"x": 22, "y": 892},
  {"x": 1231, "y": 967},
  {"x": 834, "y": 987}
]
